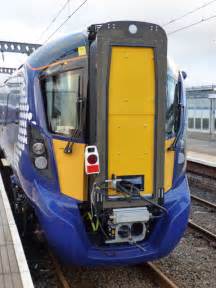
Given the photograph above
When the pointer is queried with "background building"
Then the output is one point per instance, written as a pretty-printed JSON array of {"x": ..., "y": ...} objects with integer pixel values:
[{"x": 201, "y": 111}]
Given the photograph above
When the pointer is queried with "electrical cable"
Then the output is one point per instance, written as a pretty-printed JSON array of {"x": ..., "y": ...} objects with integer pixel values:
[
  {"x": 124, "y": 189},
  {"x": 188, "y": 13},
  {"x": 155, "y": 204},
  {"x": 132, "y": 242},
  {"x": 94, "y": 225},
  {"x": 54, "y": 18},
  {"x": 145, "y": 199},
  {"x": 65, "y": 21},
  {"x": 128, "y": 190},
  {"x": 193, "y": 24}
]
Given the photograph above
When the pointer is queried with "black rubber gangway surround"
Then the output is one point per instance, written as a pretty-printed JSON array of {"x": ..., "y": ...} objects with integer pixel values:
[{"x": 118, "y": 34}]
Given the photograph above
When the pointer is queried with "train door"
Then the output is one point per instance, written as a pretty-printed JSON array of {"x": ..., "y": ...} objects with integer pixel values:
[{"x": 131, "y": 115}]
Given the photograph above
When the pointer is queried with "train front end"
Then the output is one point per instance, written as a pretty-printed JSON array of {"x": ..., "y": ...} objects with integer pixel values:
[{"x": 117, "y": 138}]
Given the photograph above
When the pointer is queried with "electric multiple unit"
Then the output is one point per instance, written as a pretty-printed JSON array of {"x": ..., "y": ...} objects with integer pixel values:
[{"x": 93, "y": 128}]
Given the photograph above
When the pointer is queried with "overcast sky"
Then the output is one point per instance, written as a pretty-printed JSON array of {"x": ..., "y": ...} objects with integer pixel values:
[{"x": 194, "y": 49}]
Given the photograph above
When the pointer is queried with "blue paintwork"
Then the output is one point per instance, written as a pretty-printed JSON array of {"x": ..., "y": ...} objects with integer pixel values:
[
  {"x": 59, "y": 49},
  {"x": 58, "y": 214},
  {"x": 65, "y": 231}
]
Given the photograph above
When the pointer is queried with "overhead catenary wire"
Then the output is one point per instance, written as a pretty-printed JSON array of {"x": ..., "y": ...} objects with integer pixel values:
[
  {"x": 188, "y": 13},
  {"x": 54, "y": 18},
  {"x": 65, "y": 21},
  {"x": 203, "y": 20}
]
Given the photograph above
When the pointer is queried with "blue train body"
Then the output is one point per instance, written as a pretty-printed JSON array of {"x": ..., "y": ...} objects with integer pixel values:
[{"x": 22, "y": 112}]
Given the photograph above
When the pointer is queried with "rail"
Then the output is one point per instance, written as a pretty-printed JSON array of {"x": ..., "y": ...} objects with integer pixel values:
[
  {"x": 201, "y": 169},
  {"x": 203, "y": 201},
  {"x": 162, "y": 279},
  {"x": 202, "y": 230},
  {"x": 60, "y": 275}
]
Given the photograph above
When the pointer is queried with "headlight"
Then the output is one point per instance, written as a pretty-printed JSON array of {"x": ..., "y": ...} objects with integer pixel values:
[
  {"x": 132, "y": 28},
  {"x": 38, "y": 148},
  {"x": 41, "y": 162}
]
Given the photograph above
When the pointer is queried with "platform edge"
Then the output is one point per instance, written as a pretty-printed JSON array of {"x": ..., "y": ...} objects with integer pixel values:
[{"x": 19, "y": 252}]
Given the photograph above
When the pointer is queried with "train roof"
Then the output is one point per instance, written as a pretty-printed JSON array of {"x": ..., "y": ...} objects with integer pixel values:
[
  {"x": 59, "y": 49},
  {"x": 66, "y": 46}
]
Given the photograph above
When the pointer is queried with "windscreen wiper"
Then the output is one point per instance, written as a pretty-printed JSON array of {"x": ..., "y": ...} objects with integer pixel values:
[
  {"x": 181, "y": 111},
  {"x": 76, "y": 132},
  {"x": 69, "y": 147}
]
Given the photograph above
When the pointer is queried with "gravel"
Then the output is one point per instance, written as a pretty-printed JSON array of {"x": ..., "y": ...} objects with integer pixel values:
[
  {"x": 193, "y": 262},
  {"x": 113, "y": 277},
  {"x": 40, "y": 264},
  {"x": 205, "y": 194},
  {"x": 201, "y": 182},
  {"x": 202, "y": 214}
]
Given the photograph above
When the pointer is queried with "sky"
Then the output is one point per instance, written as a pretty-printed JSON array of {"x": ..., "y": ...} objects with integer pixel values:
[{"x": 192, "y": 49}]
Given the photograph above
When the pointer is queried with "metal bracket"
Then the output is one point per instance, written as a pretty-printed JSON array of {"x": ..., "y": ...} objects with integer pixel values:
[
  {"x": 18, "y": 47},
  {"x": 7, "y": 70}
]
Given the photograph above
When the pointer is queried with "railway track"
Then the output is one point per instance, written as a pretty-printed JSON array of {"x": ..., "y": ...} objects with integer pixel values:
[
  {"x": 198, "y": 227},
  {"x": 161, "y": 279},
  {"x": 203, "y": 201},
  {"x": 201, "y": 169},
  {"x": 202, "y": 230},
  {"x": 201, "y": 175},
  {"x": 63, "y": 282}
]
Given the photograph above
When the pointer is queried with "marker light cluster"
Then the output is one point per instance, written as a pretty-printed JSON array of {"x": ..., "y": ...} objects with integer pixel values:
[
  {"x": 40, "y": 160},
  {"x": 38, "y": 148},
  {"x": 91, "y": 160}
]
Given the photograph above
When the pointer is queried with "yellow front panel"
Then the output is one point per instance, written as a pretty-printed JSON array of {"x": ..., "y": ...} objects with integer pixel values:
[
  {"x": 131, "y": 113},
  {"x": 168, "y": 165},
  {"x": 71, "y": 169}
]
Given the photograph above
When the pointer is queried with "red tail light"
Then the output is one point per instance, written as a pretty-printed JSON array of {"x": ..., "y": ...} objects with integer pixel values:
[{"x": 91, "y": 160}]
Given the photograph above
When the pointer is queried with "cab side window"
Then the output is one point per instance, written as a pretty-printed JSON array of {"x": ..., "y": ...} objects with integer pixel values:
[
  {"x": 172, "y": 99},
  {"x": 14, "y": 86},
  {"x": 3, "y": 104},
  {"x": 62, "y": 93}
]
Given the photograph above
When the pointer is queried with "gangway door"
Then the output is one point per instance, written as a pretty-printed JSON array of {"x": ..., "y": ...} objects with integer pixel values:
[
  {"x": 131, "y": 114},
  {"x": 131, "y": 69}
]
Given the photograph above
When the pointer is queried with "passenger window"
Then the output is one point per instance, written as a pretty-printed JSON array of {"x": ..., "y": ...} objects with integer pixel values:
[
  {"x": 62, "y": 94},
  {"x": 3, "y": 104},
  {"x": 14, "y": 86}
]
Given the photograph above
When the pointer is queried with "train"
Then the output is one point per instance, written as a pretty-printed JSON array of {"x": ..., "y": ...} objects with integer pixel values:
[{"x": 92, "y": 127}]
